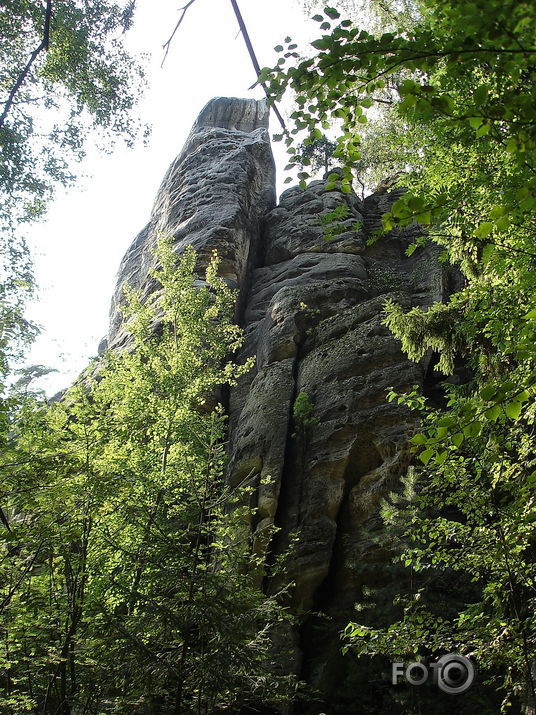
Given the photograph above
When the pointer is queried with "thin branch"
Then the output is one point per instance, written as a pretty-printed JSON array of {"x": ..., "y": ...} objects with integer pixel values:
[
  {"x": 383, "y": 101},
  {"x": 29, "y": 566},
  {"x": 4, "y": 520},
  {"x": 254, "y": 60},
  {"x": 245, "y": 35},
  {"x": 166, "y": 46},
  {"x": 43, "y": 45},
  {"x": 490, "y": 242},
  {"x": 243, "y": 29}
]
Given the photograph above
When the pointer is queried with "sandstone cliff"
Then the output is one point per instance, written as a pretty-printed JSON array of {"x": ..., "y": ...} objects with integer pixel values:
[{"x": 312, "y": 313}]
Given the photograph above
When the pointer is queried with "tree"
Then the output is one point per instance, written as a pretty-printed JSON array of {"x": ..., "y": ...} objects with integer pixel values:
[
  {"x": 64, "y": 71},
  {"x": 64, "y": 74},
  {"x": 461, "y": 79},
  {"x": 125, "y": 582},
  {"x": 464, "y": 529},
  {"x": 317, "y": 153}
]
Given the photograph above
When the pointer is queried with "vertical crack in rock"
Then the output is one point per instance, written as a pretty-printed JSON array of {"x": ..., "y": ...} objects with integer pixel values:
[
  {"x": 313, "y": 321},
  {"x": 312, "y": 315}
]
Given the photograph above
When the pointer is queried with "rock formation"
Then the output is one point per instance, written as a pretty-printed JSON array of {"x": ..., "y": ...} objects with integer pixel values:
[
  {"x": 312, "y": 314},
  {"x": 213, "y": 196}
]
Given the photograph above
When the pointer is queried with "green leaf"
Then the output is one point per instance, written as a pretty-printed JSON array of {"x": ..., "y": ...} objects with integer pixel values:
[
  {"x": 415, "y": 203},
  {"x": 426, "y": 456},
  {"x": 513, "y": 410},
  {"x": 398, "y": 209},
  {"x": 425, "y": 218},
  {"x": 480, "y": 95},
  {"x": 512, "y": 146},
  {"x": 457, "y": 439},
  {"x": 473, "y": 429},
  {"x": 497, "y": 212},
  {"x": 528, "y": 204},
  {"x": 487, "y": 252},
  {"x": 408, "y": 102},
  {"x": 441, "y": 457},
  {"x": 484, "y": 229},
  {"x": 332, "y": 12},
  {"x": 492, "y": 413},
  {"x": 447, "y": 421},
  {"x": 488, "y": 392},
  {"x": 475, "y": 122},
  {"x": 264, "y": 75},
  {"x": 320, "y": 44},
  {"x": 503, "y": 223}
]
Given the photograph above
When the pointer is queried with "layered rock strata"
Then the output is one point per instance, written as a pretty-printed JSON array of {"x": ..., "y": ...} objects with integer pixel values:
[{"x": 312, "y": 314}]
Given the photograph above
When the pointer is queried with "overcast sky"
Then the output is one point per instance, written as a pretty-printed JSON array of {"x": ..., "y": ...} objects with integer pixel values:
[{"x": 89, "y": 227}]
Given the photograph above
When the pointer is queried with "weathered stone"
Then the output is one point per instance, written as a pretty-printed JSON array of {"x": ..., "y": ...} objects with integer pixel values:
[
  {"x": 312, "y": 315},
  {"x": 313, "y": 321},
  {"x": 295, "y": 227},
  {"x": 214, "y": 196}
]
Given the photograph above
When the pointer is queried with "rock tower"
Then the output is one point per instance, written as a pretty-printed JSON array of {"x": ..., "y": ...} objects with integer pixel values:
[{"x": 311, "y": 310}]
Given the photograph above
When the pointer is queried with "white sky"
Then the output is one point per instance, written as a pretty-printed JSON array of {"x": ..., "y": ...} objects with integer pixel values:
[{"x": 89, "y": 227}]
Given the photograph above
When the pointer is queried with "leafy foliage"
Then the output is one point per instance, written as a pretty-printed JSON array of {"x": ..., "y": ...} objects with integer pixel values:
[
  {"x": 65, "y": 75},
  {"x": 337, "y": 221},
  {"x": 125, "y": 579},
  {"x": 82, "y": 78},
  {"x": 468, "y": 103},
  {"x": 459, "y": 78},
  {"x": 317, "y": 153},
  {"x": 469, "y": 515},
  {"x": 303, "y": 410}
]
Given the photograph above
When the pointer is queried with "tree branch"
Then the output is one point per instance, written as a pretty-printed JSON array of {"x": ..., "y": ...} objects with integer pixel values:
[
  {"x": 167, "y": 44},
  {"x": 22, "y": 76},
  {"x": 7, "y": 599},
  {"x": 254, "y": 60},
  {"x": 243, "y": 29}
]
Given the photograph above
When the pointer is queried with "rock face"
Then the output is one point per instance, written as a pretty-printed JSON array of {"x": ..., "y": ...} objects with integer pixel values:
[
  {"x": 312, "y": 314},
  {"x": 213, "y": 196}
]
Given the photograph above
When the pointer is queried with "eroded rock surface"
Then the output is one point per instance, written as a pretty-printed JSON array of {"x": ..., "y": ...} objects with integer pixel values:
[
  {"x": 312, "y": 314},
  {"x": 213, "y": 196},
  {"x": 313, "y": 321}
]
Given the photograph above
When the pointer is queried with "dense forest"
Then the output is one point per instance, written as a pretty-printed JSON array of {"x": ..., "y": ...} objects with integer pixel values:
[{"x": 129, "y": 579}]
